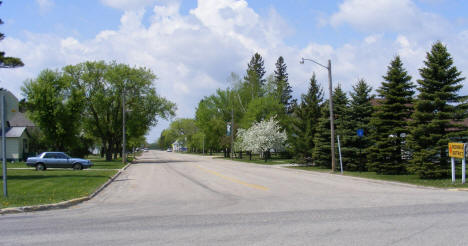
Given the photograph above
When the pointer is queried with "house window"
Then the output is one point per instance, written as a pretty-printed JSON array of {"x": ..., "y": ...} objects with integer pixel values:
[{"x": 25, "y": 145}]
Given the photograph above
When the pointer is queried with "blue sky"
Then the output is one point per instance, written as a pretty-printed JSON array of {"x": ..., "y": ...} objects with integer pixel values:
[{"x": 193, "y": 46}]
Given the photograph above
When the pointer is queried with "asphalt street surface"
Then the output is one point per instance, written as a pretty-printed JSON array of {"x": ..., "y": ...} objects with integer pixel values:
[{"x": 179, "y": 199}]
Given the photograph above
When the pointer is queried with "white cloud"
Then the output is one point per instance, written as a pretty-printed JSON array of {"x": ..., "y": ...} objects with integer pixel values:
[
  {"x": 373, "y": 38},
  {"x": 128, "y": 4},
  {"x": 388, "y": 15},
  {"x": 193, "y": 54},
  {"x": 45, "y": 5}
]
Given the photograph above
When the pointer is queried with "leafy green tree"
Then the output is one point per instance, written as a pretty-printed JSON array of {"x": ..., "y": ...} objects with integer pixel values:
[
  {"x": 389, "y": 123},
  {"x": 305, "y": 120},
  {"x": 212, "y": 123},
  {"x": 56, "y": 107},
  {"x": 6, "y": 61},
  {"x": 184, "y": 130},
  {"x": 104, "y": 85},
  {"x": 262, "y": 108},
  {"x": 167, "y": 138},
  {"x": 438, "y": 110},
  {"x": 360, "y": 112}
]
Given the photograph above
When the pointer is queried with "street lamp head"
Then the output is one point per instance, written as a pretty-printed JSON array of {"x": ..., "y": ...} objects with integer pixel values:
[{"x": 302, "y": 60}]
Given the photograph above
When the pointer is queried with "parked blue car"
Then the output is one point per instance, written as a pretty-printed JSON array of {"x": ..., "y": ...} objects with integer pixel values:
[{"x": 57, "y": 160}]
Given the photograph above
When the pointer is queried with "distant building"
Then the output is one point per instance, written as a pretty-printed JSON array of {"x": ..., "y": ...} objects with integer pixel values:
[
  {"x": 178, "y": 146},
  {"x": 18, "y": 138}
]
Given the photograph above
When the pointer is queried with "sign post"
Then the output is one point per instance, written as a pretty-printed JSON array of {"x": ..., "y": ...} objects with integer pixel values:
[
  {"x": 360, "y": 133},
  {"x": 464, "y": 164},
  {"x": 4, "y": 167},
  {"x": 457, "y": 150},
  {"x": 339, "y": 150}
]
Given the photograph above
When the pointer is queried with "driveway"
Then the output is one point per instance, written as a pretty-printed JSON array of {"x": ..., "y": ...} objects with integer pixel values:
[{"x": 179, "y": 199}]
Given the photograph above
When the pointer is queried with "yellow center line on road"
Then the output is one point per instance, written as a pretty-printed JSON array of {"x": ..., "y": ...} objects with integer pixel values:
[
  {"x": 458, "y": 189},
  {"x": 255, "y": 186}
]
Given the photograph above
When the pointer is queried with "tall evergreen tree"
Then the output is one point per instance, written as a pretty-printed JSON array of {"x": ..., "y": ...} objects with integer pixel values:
[
  {"x": 5, "y": 61},
  {"x": 305, "y": 120},
  {"x": 254, "y": 78},
  {"x": 389, "y": 123},
  {"x": 343, "y": 126},
  {"x": 437, "y": 109},
  {"x": 360, "y": 114},
  {"x": 283, "y": 89},
  {"x": 322, "y": 154}
]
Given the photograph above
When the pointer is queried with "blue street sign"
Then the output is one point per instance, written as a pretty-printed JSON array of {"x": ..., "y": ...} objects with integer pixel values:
[{"x": 360, "y": 132}]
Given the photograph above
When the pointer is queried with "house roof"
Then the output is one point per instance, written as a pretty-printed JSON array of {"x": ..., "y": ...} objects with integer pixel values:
[
  {"x": 20, "y": 119},
  {"x": 14, "y": 132}
]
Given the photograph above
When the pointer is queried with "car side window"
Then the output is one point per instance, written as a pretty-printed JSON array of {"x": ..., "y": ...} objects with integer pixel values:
[
  {"x": 49, "y": 156},
  {"x": 60, "y": 156}
]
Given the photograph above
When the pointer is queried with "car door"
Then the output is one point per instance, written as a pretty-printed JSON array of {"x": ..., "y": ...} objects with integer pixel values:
[
  {"x": 49, "y": 159},
  {"x": 61, "y": 160}
]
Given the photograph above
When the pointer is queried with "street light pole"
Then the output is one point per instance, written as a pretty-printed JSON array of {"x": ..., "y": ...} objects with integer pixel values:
[
  {"x": 330, "y": 103},
  {"x": 232, "y": 129}
]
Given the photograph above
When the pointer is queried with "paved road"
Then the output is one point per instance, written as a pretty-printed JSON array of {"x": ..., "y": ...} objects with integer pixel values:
[{"x": 175, "y": 199}]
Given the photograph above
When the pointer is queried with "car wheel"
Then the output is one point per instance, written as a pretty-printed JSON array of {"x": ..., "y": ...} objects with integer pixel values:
[
  {"x": 77, "y": 166},
  {"x": 40, "y": 167}
]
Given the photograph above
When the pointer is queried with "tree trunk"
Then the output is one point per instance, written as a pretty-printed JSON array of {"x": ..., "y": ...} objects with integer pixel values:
[{"x": 109, "y": 150}]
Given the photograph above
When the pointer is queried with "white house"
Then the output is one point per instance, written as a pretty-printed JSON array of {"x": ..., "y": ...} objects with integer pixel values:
[
  {"x": 177, "y": 146},
  {"x": 16, "y": 130}
]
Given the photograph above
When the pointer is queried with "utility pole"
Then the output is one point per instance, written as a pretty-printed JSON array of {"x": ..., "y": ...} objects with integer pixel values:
[
  {"x": 4, "y": 167},
  {"x": 332, "y": 124},
  {"x": 232, "y": 129},
  {"x": 124, "y": 155}
]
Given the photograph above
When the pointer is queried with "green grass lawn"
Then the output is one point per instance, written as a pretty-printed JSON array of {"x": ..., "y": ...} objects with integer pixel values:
[
  {"x": 30, "y": 187},
  {"x": 101, "y": 163},
  {"x": 275, "y": 160},
  {"x": 15, "y": 165},
  {"x": 408, "y": 178}
]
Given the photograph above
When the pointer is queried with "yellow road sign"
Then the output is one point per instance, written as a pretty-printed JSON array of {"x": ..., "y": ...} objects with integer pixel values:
[{"x": 457, "y": 150}]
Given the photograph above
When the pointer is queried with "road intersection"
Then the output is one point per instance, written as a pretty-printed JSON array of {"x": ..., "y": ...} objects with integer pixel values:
[{"x": 178, "y": 199}]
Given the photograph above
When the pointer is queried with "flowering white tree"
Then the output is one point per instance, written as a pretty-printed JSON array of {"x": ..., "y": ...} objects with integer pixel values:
[{"x": 261, "y": 137}]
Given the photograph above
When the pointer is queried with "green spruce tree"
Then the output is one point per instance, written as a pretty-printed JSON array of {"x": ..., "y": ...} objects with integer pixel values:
[
  {"x": 254, "y": 78},
  {"x": 360, "y": 114},
  {"x": 389, "y": 123},
  {"x": 343, "y": 127},
  {"x": 322, "y": 153},
  {"x": 305, "y": 120},
  {"x": 438, "y": 108},
  {"x": 282, "y": 88}
]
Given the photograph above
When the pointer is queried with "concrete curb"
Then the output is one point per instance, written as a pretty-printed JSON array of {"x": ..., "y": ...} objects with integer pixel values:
[{"x": 64, "y": 204}]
